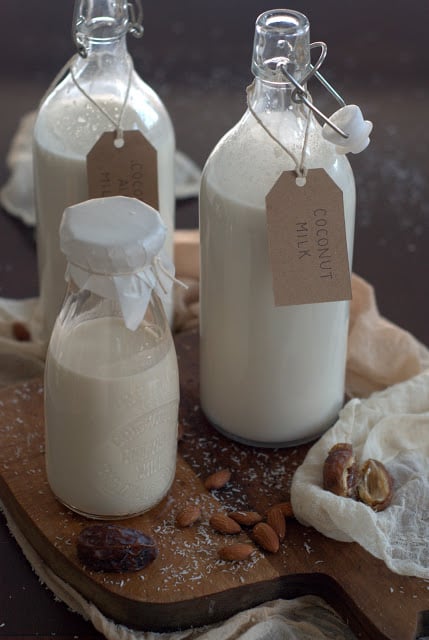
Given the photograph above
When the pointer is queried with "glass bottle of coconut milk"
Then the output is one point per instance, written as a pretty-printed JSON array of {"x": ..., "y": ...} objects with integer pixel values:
[
  {"x": 100, "y": 132},
  {"x": 111, "y": 376},
  {"x": 272, "y": 340}
]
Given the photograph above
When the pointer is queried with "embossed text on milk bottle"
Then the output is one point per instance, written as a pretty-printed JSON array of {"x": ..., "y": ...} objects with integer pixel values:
[
  {"x": 111, "y": 374},
  {"x": 112, "y": 448}
]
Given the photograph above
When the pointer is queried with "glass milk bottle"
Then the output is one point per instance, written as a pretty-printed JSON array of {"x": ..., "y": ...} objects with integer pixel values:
[
  {"x": 111, "y": 378},
  {"x": 270, "y": 375},
  {"x": 103, "y": 107}
]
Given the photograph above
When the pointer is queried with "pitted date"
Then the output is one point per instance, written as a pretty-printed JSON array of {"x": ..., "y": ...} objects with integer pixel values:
[{"x": 111, "y": 548}]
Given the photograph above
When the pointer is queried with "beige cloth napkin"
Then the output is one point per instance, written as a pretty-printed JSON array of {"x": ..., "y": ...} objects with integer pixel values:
[{"x": 391, "y": 426}]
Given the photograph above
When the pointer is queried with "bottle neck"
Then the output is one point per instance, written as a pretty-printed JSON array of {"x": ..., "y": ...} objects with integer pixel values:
[
  {"x": 100, "y": 27},
  {"x": 107, "y": 56},
  {"x": 281, "y": 46},
  {"x": 267, "y": 97}
]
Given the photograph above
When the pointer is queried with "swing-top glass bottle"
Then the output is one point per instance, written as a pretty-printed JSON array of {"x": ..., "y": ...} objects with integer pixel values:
[
  {"x": 270, "y": 375},
  {"x": 102, "y": 92}
]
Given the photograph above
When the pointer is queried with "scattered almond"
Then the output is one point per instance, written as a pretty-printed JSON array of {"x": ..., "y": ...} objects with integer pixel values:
[
  {"x": 239, "y": 551},
  {"x": 246, "y": 518},
  {"x": 20, "y": 332},
  {"x": 266, "y": 537},
  {"x": 224, "y": 524},
  {"x": 286, "y": 509},
  {"x": 277, "y": 521},
  {"x": 188, "y": 515},
  {"x": 218, "y": 479}
]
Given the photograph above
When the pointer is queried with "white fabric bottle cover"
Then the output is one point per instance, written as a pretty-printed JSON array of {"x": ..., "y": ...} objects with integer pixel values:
[{"x": 113, "y": 248}]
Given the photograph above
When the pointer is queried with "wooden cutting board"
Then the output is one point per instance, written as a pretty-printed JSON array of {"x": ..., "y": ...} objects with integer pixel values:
[{"x": 188, "y": 585}]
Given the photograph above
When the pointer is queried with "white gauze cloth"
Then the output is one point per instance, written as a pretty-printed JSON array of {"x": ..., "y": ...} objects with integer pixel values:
[{"x": 391, "y": 426}]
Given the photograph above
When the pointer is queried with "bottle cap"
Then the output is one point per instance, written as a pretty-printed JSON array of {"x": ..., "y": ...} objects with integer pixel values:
[
  {"x": 350, "y": 120},
  {"x": 113, "y": 248}
]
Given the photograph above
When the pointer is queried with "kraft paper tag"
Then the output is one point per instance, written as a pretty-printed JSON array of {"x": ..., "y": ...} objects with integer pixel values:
[
  {"x": 307, "y": 240},
  {"x": 130, "y": 170}
]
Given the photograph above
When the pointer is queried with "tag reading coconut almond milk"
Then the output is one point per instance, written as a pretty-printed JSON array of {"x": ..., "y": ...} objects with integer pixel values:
[
  {"x": 128, "y": 170},
  {"x": 307, "y": 240}
]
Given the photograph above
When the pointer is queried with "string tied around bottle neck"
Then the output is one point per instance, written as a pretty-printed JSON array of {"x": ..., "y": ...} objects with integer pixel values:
[
  {"x": 131, "y": 289},
  {"x": 117, "y": 124},
  {"x": 114, "y": 248},
  {"x": 346, "y": 129},
  {"x": 156, "y": 267},
  {"x": 300, "y": 168}
]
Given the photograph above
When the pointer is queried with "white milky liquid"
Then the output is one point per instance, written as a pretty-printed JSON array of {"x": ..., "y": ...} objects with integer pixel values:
[
  {"x": 111, "y": 406},
  {"x": 64, "y": 134},
  {"x": 269, "y": 375}
]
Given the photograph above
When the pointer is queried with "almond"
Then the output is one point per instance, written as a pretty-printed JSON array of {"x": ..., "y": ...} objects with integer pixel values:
[
  {"x": 188, "y": 515},
  {"x": 239, "y": 551},
  {"x": 218, "y": 479},
  {"x": 277, "y": 521},
  {"x": 20, "y": 332},
  {"x": 246, "y": 518},
  {"x": 266, "y": 537},
  {"x": 224, "y": 524},
  {"x": 286, "y": 509}
]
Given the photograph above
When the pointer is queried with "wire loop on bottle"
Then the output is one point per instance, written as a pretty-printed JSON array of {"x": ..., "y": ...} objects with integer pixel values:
[
  {"x": 136, "y": 19},
  {"x": 79, "y": 40},
  {"x": 353, "y": 134},
  {"x": 300, "y": 168},
  {"x": 119, "y": 139},
  {"x": 300, "y": 94}
]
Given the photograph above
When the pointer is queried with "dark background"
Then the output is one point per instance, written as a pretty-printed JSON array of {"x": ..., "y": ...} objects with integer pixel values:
[{"x": 196, "y": 54}]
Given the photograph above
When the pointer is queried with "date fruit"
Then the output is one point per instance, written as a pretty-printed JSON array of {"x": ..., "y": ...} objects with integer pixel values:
[
  {"x": 375, "y": 486},
  {"x": 112, "y": 548},
  {"x": 340, "y": 473}
]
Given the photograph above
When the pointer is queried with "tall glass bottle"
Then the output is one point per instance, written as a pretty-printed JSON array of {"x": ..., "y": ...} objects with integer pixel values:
[
  {"x": 101, "y": 93},
  {"x": 270, "y": 375}
]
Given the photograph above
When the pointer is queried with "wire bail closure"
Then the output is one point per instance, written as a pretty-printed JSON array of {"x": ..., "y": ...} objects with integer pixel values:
[
  {"x": 135, "y": 27},
  {"x": 136, "y": 21},
  {"x": 78, "y": 39},
  {"x": 299, "y": 94},
  {"x": 346, "y": 128}
]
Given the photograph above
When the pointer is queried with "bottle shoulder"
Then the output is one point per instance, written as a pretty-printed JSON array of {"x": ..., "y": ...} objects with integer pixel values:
[
  {"x": 247, "y": 160},
  {"x": 69, "y": 118}
]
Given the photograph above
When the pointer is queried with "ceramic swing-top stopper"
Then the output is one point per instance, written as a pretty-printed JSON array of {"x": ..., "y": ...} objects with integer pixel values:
[{"x": 350, "y": 120}]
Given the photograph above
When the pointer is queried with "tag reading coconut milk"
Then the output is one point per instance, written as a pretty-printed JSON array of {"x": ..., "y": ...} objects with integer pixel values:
[
  {"x": 128, "y": 170},
  {"x": 307, "y": 240}
]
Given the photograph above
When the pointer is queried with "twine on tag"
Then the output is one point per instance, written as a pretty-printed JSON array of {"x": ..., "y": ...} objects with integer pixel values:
[
  {"x": 119, "y": 140},
  {"x": 300, "y": 168},
  {"x": 68, "y": 67}
]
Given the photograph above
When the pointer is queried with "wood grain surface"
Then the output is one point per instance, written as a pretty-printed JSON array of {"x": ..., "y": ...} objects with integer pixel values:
[{"x": 188, "y": 585}]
